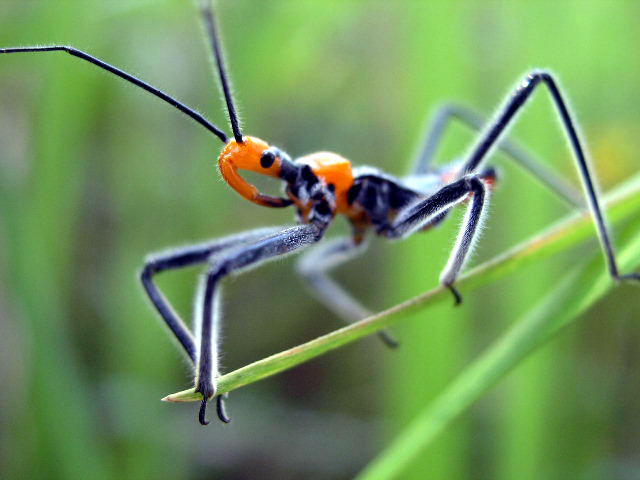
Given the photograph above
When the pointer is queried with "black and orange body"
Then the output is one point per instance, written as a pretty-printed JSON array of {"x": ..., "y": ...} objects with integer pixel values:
[
  {"x": 322, "y": 185},
  {"x": 332, "y": 169},
  {"x": 318, "y": 180}
]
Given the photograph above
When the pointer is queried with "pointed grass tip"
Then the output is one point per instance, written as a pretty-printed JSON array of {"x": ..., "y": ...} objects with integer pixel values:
[{"x": 189, "y": 395}]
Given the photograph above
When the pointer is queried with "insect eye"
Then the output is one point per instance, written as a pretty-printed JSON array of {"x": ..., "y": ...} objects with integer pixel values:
[{"x": 267, "y": 158}]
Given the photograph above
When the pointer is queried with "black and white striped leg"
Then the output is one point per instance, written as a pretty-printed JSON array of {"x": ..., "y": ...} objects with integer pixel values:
[
  {"x": 416, "y": 216},
  {"x": 184, "y": 257},
  {"x": 448, "y": 112},
  {"x": 246, "y": 255},
  {"x": 314, "y": 266},
  {"x": 504, "y": 118}
]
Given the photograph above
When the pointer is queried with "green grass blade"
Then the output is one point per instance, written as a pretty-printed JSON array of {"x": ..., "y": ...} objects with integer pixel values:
[
  {"x": 623, "y": 203},
  {"x": 574, "y": 294}
]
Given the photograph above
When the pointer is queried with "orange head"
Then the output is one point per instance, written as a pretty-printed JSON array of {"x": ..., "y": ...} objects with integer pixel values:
[{"x": 254, "y": 155}]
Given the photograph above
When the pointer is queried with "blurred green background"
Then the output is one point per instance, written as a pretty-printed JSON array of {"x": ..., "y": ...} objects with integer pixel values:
[{"x": 95, "y": 174}]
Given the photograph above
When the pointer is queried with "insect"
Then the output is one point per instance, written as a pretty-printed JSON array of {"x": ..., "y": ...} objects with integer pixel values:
[{"x": 324, "y": 185}]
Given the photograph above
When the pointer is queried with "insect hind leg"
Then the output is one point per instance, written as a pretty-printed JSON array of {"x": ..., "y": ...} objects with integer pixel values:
[
  {"x": 504, "y": 119},
  {"x": 514, "y": 151}
]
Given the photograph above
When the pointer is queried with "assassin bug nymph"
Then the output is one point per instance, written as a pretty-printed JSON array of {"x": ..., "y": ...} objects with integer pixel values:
[{"x": 322, "y": 185}]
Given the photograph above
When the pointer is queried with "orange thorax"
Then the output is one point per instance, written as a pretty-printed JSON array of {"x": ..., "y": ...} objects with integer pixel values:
[{"x": 331, "y": 168}]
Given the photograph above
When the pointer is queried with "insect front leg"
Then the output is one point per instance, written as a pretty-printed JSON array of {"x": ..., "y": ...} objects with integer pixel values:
[
  {"x": 185, "y": 257},
  {"x": 250, "y": 254}
]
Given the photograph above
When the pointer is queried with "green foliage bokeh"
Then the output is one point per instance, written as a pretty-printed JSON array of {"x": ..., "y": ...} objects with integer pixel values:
[{"x": 95, "y": 174}]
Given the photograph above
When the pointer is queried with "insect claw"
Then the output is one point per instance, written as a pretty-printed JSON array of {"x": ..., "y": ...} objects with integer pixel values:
[
  {"x": 456, "y": 294},
  {"x": 388, "y": 339},
  {"x": 203, "y": 411},
  {"x": 222, "y": 414}
]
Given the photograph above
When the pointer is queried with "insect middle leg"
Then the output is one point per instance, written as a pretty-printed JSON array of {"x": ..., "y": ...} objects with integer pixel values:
[
  {"x": 424, "y": 212},
  {"x": 314, "y": 265}
]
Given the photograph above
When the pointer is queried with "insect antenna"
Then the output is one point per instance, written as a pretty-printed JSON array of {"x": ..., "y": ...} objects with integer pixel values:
[
  {"x": 210, "y": 27},
  {"x": 129, "y": 78}
]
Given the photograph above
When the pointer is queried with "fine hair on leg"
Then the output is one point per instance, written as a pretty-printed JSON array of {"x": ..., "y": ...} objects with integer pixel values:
[
  {"x": 245, "y": 256},
  {"x": 498, "y": 126},
  {"x": 182, "y": 257},
  {"x": 415, "y": 216}
]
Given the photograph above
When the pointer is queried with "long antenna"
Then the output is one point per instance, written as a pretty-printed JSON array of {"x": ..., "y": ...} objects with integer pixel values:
[
  {"x": 210, "y": 25},
  {"x": 129, "y": 78}
]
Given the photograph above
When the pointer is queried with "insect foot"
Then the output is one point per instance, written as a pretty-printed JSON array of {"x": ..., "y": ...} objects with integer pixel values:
[
  {"x": 222, "y": 413},
  {"x": 208, "y": 391},
  {"x": 456, "y": 295}
]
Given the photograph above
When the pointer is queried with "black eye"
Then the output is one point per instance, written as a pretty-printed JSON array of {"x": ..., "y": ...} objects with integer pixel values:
[{"x": 267, "y": 159}]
